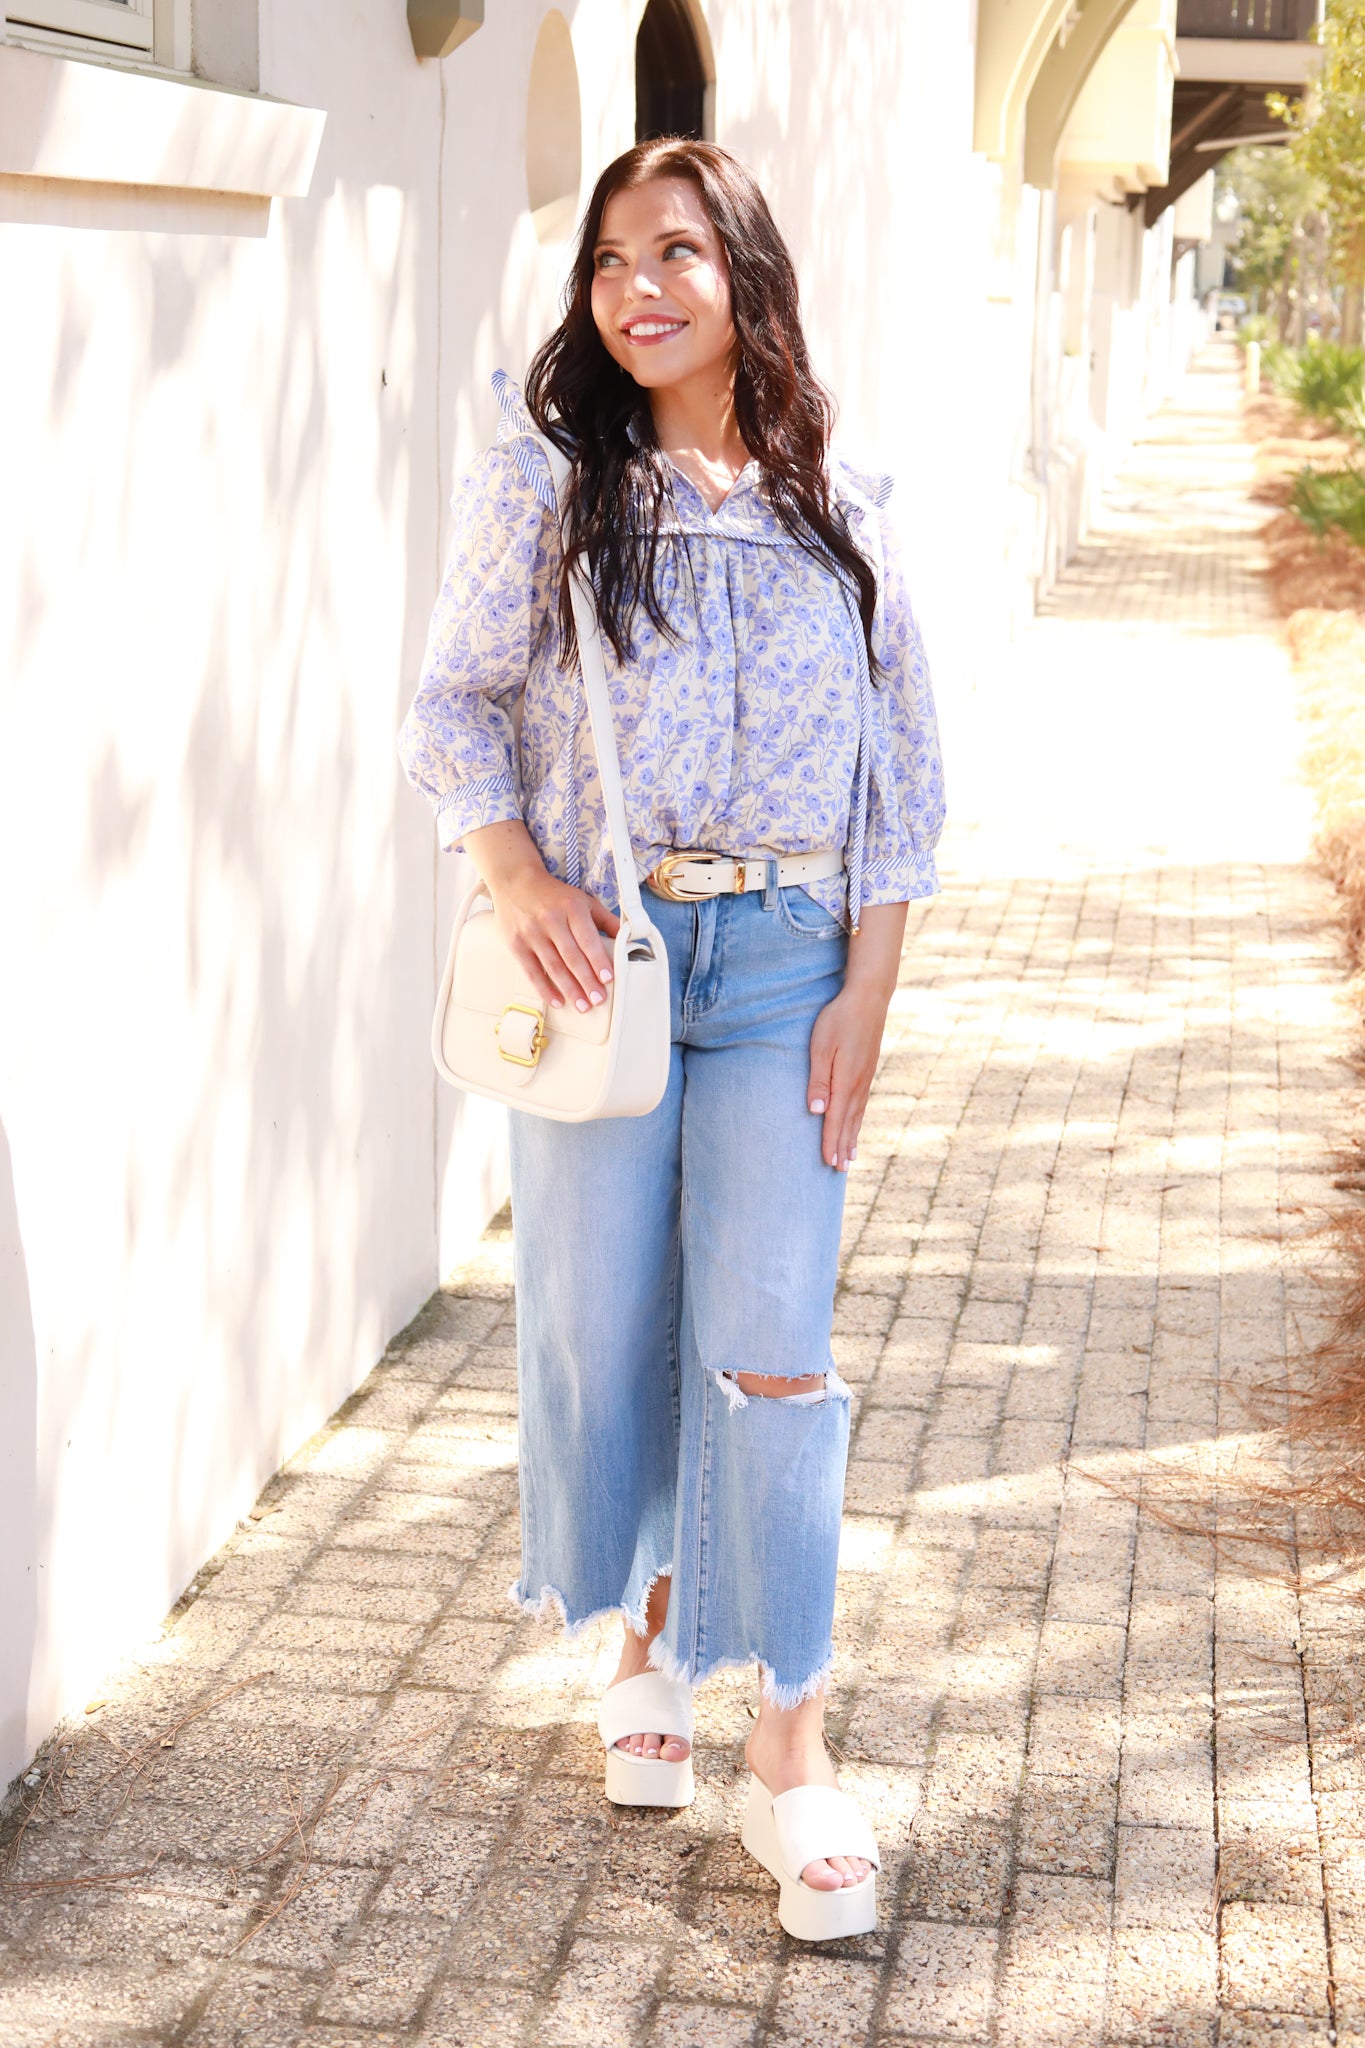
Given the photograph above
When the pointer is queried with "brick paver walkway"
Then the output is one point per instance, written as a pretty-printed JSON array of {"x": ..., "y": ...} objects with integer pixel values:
[{"x": 1111, "y": 1079}]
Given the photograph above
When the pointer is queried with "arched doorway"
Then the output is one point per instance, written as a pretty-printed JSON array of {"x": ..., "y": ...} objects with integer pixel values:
[{"x": 671, "y": 75}]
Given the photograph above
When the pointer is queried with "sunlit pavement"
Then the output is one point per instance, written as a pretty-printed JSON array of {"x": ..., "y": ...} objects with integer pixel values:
[{"x": 1111, "y": 1772}]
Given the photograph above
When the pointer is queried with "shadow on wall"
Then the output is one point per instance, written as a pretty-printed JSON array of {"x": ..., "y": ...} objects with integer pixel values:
[
  {"x": 884, "y": 214},
  {"x": 18, "y": 1481},
  {"x": 807, "y": 77},
  {"x": 230, "y": 451},
  {"x": 220, "y": 1244}
]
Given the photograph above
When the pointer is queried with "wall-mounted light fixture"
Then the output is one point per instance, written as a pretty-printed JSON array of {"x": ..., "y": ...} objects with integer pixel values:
[{"x": 439, "y": 26}]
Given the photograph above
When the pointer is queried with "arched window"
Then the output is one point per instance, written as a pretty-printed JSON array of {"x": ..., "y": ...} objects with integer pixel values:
[
  {"x": 554, "y": 123},
  {"x": 670, "y": 74}
]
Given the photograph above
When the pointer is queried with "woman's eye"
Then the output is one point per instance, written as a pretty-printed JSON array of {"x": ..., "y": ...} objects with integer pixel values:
[
  {"x": 607, "y": 256},
  {"x": 686, "y": 248}
]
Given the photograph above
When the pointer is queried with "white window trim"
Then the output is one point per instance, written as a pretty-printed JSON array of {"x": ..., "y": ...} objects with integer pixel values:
[
  {"x": 65, "y": 118},
  {"x": 125, "y": 24},
  {"x": 171, "y": 20},
  {"x": 168, "y": 50}
]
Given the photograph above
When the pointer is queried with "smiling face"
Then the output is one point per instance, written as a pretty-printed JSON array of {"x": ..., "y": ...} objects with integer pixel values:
[{"x": 661, "y": 286}]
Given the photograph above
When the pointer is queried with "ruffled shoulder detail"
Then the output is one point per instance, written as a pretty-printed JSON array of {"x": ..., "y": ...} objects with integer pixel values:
[
  {"x": 517, "y": 430},
  {"x": 860, "y": 491}
]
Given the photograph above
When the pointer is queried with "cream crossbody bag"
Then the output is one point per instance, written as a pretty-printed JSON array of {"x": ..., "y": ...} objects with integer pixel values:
[{"x": 493, "y": 1034}]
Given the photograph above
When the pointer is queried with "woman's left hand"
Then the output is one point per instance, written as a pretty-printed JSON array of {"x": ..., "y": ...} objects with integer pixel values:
[{"x": 847, "y": 1037}]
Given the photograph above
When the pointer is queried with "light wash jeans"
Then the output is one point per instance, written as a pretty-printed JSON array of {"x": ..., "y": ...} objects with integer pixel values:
[{"x": 655, "y": 1257}]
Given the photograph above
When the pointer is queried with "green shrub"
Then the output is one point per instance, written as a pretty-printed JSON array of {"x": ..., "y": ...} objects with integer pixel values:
[
  {"x": 1353, "y": 415},
  {"x": 1280, "y": 366},
  {"x": 1325, "y": 498},
  {"x": 1256, "y": 327},
  {"x": 1329, "y": 378},
  {"x": 1323, "y": 379}
]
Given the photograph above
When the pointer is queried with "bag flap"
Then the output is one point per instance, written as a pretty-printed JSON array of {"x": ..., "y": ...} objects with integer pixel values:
[{"x": 488, "y": 978}]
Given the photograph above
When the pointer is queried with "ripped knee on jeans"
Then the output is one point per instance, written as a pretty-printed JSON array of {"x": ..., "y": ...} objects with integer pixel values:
[{"x": 806, "y": 1390}]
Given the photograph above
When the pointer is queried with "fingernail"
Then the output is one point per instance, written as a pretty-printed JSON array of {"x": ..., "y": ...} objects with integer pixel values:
[
  {"x": 605, "y": 974},
  {"x": 817, "y": 1107},
  {"x": 597, "y": 996},
  {"x": 556, "y": 1002},
  {"x": 844, "y": 1167},
  {"x": 581, "y": 1003}
]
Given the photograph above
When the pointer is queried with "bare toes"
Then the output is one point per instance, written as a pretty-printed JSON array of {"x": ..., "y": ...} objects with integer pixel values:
[
  {"x": 672, "y": 1749},
  {"x": 834, "y": 1874}
]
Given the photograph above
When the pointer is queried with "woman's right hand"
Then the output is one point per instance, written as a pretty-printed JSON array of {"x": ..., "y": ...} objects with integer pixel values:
[{"x": 556, "y": 932}]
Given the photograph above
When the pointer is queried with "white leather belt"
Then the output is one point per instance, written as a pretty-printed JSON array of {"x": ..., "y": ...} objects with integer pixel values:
[{"x": 684, "y": 877}]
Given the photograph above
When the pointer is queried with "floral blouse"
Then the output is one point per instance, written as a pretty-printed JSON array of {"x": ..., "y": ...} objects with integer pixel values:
[{"x": 760, "y": 729}]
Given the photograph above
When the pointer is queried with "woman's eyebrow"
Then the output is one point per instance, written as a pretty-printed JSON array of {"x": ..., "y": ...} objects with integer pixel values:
[{"x": 670, "y": 234}]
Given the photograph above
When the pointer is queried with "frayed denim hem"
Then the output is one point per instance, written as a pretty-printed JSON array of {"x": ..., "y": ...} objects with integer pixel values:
[
  {"x": 550, "y": 1605},
  {"x": 680, "y": 1670}
]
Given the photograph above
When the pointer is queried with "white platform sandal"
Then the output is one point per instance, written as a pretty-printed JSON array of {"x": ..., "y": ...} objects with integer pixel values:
[
  {"x": 633, "y": 1707},
  {"x": 805, "y": 1825}
]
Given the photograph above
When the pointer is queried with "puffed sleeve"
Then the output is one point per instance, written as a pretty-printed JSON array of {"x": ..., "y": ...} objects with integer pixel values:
[
  {"x": 905, "y": 796},
  {"x": 458, "y": 742}
]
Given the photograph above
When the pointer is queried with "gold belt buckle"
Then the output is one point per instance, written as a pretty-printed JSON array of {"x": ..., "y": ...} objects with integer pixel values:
[
  {"x": 539, "y": 1037},
  {"x": 661, "y": 880}
]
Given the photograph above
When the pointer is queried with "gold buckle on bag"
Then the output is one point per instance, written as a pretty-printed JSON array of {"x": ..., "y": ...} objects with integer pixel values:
[{"x": 539, "y": 1037}]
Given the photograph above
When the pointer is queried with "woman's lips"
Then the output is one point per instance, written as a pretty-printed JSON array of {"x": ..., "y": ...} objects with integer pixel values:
[{"x": 649, "y": 333}]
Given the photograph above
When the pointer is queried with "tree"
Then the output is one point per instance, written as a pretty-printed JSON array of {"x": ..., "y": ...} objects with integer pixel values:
[
  {"x": 1276, "y": 198},
  {"x": 1329, "y": 145}
]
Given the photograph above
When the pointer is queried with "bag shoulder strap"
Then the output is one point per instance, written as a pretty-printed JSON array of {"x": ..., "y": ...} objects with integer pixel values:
[{"x": 599, "y": 713}]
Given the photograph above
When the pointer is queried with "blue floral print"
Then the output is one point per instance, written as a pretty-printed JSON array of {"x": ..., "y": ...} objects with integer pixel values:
[{"x": 758, "y": 728}]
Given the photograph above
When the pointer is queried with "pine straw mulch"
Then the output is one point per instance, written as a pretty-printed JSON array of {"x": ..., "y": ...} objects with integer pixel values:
[
  {"x": 1328, "y": 649},
  {"x": 1301, "y": 1505},
  {"x": 1303, "y": 571},
  {"x": 1323, "y": 1426},
  {"x": 1308, "y": 575}
]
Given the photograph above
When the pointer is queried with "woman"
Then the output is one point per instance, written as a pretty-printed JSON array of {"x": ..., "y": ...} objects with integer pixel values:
[{"x": 683, "y": 1431}]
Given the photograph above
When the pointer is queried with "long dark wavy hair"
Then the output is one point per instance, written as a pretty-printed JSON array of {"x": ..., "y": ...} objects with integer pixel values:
[{"x": 593, "y": 408}]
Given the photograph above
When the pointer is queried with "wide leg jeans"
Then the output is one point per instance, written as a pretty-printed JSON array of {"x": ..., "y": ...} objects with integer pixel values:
[{"x": 656, "y": 1258}]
